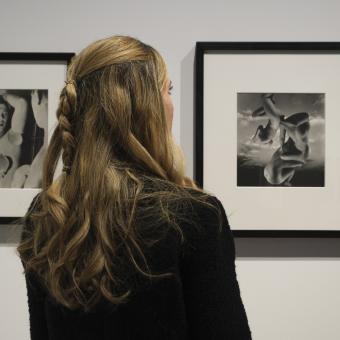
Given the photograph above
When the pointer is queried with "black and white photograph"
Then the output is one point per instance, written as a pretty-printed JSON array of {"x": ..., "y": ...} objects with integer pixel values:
[
  {"x": 30, "y": 86},
  {"x": 267, "y": 135},
  {"x": 281, "y": 139},
  {"x": 23, "y": 128}
]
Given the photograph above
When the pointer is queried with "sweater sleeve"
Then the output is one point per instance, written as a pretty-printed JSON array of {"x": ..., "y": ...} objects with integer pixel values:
[
  {"x": 35, "y": 294},
  {"x": 212, "y": 298}
]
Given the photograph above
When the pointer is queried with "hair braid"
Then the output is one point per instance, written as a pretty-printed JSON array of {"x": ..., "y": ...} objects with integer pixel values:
[{"x": 65, "y": 114}]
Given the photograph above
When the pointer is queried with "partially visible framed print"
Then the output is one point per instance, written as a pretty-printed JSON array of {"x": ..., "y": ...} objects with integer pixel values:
[
  {"x": 30, "y": 86},
  {"x": 267, "y": 135}
]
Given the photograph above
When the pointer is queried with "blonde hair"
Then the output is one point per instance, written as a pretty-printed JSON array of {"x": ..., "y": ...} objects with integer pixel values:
[{"x": 114, "y": 137}]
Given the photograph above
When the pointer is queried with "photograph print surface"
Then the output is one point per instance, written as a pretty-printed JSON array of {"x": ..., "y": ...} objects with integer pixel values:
[
  {"x": 281, "y": 139},
  {"x": 23, "y": 127}
]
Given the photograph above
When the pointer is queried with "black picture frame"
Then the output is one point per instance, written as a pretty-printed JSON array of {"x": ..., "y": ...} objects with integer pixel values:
[
  {"x": 32, "y": 58},
  {"x": 204, "y": 47}
]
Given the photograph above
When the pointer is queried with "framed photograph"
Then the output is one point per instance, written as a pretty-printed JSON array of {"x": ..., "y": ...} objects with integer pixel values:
[
  {"x": 267, "y": 135},
  {"x": 30, "y": 86}
]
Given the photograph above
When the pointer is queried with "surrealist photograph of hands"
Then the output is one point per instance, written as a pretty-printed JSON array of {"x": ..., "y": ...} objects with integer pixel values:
[
  {"x": 23, "y": 122},
  {"x": 281, "y": 139}
]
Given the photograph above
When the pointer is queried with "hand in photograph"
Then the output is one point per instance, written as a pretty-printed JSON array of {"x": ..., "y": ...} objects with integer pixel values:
[
  {"x": 20, "y": 176},
  {"x": 39, "y": 105}
]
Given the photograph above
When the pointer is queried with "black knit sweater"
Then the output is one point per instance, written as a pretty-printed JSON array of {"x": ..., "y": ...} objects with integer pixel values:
[{"x": 202, "y": 301}]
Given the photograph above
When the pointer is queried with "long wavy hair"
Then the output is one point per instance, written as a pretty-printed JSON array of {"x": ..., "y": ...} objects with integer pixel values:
[{"x": 81, "y": 231}]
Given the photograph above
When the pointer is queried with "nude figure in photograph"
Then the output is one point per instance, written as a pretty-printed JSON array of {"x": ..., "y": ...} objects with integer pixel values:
[
  {"x": 266, "y": 134},
  {"x": 292, "y": 153}
]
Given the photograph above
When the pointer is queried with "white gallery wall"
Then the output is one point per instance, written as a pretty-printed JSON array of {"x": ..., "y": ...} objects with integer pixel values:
[{"x": 290, "y": 287}]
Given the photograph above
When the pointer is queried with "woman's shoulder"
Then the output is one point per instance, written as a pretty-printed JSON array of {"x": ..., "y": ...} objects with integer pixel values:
[
  {"x": 207, "y": 232},
  {"x": 203, "y": 221},
  {"x": 185, "y": 201},
  {"x": 205, "y": 206}
]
